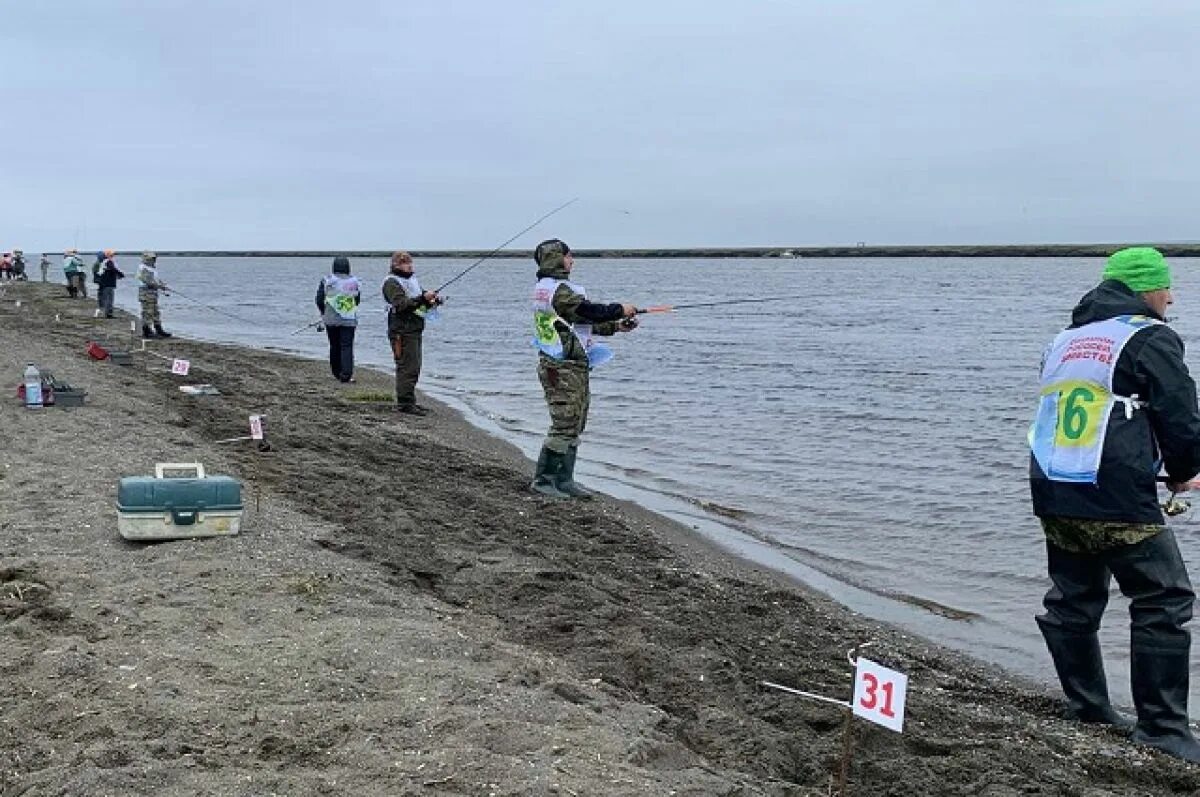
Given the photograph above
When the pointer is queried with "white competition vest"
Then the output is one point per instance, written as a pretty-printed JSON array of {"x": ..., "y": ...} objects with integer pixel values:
[
  {"x": 340, "y": 294},
  {"x": 148, "y": 277},
  {"x": 412, "y": 289},
  {"x": 545, "y": 335},
  {"x": 1067, "y": 436}
]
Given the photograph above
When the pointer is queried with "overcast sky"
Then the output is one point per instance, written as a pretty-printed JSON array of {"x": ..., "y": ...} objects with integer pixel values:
[{"x": 453, "y": 123}]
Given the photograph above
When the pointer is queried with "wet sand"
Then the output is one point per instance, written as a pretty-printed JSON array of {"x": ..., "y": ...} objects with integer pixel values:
[{"x": 401, "y": 616}]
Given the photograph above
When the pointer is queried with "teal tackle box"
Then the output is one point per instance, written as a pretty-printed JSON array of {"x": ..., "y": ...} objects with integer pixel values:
[{"x": 178, "y": 502}]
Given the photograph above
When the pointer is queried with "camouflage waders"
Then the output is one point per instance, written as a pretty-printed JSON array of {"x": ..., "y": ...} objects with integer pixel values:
[
  {"x": 151, "y": 317},
  {"x": 568, "y": 396},
  {"x": 406, "y": 353}
]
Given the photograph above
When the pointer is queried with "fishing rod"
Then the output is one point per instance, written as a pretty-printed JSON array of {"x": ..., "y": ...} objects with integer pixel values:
[
  {"x": 670, "y": 308},
  {"x": 208, "y": 306},
  {"x": 478, "y": 262},
  {"x": 309, "y": 325},
  {"x": 492, "y": 253}
]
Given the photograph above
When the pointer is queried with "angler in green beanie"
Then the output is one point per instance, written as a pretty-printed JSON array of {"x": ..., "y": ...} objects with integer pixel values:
[
  {"x": 1115, "y": 404},
  {"x": 1143, "y": 269}
]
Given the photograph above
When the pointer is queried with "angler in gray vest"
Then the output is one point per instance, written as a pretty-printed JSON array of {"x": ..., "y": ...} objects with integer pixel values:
[
  {"x": 565, "y": 324},
  {"x": 338, "y": 297},
  {"x": 1115, "y": 404},
  {"x": 408, "y": 306}
]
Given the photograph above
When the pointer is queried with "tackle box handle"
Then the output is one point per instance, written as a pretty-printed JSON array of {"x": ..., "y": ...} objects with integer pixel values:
[{"x": 162, "y": 467}]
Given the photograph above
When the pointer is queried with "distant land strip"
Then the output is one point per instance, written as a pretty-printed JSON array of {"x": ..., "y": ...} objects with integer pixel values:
[{"x": 999, "y": 250}]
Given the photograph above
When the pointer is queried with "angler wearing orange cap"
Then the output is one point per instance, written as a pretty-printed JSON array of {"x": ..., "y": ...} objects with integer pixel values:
[{"x": 106, "y": 280}]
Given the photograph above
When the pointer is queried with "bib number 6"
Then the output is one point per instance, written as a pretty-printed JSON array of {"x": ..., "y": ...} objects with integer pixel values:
[
  {"x": 1080, "y": 414},
  {"x": 1075, "y": 416}
]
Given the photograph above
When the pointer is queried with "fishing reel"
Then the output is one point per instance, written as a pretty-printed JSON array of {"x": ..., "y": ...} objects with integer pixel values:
[{"x": 1175, "y": 506}]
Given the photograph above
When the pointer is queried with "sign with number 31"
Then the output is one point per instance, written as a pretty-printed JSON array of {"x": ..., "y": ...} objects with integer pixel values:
[{"x": 879, "y": 694}]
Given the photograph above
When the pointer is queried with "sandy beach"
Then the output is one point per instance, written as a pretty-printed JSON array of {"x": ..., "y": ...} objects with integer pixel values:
[{"x": 402, "y": 616}]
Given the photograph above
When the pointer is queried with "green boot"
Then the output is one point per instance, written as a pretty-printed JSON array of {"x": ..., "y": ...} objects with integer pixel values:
[
  {"x": 566, "y": 477},
  {"x": 545, "y": 478}
]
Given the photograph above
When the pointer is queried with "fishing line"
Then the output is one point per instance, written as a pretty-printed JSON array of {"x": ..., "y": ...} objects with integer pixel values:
[
  {"x": 670, "y": 308},
  {"x": 225, "y": 313},
  {"x": 492, "y": 253}
]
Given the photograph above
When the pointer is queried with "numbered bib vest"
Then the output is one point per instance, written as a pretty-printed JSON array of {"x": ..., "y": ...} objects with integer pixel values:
[
  {"x": 1067, "y": 436},
  {"x": 545, "y": 333},
  {"x": 341, "y": 309},
  {"x": 412, "y": 289}
]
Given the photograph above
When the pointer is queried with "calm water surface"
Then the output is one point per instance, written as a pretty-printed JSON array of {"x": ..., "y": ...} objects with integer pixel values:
[{"x": 868, "y": 437}]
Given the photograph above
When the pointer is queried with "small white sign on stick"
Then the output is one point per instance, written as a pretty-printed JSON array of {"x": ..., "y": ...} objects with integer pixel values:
[
  {"x": 256, "y": 430},
  {"x": 180, "y": 367},
  {"x": 879, "y": 694}
]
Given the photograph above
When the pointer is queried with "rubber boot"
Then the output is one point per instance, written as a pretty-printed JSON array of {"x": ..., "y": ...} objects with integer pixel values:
[
  {"x": 162, "y": 333},
  {"x": 545, "y": 477},
  {"x": 1160, "y": 691},
  {"x": 565, "y": 482},
  {"x": 147, "y": 332},
  {"x": 1081, "y": 672}
]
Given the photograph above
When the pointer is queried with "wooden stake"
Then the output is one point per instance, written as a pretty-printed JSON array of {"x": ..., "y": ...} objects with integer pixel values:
[{"x": 847, "y": 754}]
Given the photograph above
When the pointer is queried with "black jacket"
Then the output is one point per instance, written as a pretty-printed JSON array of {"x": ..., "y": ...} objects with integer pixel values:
[
  {"x": 1150, "y": 366},
  {"x": 109, "y": 276}
]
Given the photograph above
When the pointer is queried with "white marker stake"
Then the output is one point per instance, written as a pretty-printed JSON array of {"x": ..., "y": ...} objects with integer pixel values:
[
  {"x": 180, "y": 367},
  {"x": 256, "y": 432},
  {"x": 879, "y": 694}
]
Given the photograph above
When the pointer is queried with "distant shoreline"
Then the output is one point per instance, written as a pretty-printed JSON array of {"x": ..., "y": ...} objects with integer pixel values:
[{"x": 781, "y": 252}]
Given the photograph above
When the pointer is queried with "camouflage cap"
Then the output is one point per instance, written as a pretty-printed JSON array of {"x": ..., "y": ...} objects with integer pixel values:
[
  {"x": 551, "y": 246},
  {"x": 149, "y": 257}
]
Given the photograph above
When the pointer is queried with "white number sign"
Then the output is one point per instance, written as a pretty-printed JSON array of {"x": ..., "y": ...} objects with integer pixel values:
[
  {"x": 256, "y": 430},
  {"x": 180, "y": 367},
  {"x": 879, "y": 694}
]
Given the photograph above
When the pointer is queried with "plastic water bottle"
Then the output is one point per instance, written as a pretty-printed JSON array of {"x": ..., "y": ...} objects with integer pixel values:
[{"x": 33, "y": 387}]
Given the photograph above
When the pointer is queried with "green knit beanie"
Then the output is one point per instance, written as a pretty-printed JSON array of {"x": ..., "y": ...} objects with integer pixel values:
[{"x": 1142, "y": 268}]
